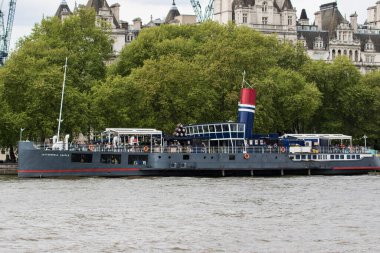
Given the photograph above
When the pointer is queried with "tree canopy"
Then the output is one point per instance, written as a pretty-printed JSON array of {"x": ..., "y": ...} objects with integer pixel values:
[
  {"x": 171, "y": 74},
  {"x": 31, "y": 80}
]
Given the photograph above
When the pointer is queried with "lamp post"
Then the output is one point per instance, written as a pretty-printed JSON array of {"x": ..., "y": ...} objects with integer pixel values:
[
  {"x": 21, "y": 130},
  {"x": 365, "y": 141}
]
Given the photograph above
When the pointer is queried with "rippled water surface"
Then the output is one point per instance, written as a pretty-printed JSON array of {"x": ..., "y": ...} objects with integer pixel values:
[{"x": 288, "y": 214}]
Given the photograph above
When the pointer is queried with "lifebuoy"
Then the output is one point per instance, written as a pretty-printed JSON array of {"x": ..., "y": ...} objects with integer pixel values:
[
  {"x": 146, "y": 149},
  {"x": 282, "y": 149},
  {"x": 91, "y": 147},
  {"x": 246, "y": 156}
]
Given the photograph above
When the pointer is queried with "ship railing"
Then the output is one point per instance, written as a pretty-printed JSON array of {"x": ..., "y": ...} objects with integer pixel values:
[{"x": 202, "y": 149}]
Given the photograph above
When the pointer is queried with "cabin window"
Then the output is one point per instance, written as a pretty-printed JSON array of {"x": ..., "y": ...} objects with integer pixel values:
[
  {"x": 138, "y": 159},
  {"x": 298, "y": 157},
  {"x": 303, "y": 157},
  {"x": 315, "y": 157},
  {"x": 348, "y": 157},
  {"x": 332, "y": 157},
  {"x": 232, "y": 157},
  {"x": 357, "y": 156},
  {"x": 109, "y": 158},
  {"x": 342, "y": 157},
  {"x": 81, "y": 158},
  {"x": 186, "y": 157},
  {"x": 336, "y": 156}
]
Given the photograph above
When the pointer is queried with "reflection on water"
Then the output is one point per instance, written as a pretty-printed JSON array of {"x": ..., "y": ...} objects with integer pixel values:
[{"x": 287, "y": 214}]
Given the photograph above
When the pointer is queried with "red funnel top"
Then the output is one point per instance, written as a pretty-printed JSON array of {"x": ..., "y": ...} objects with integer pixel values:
[{"x": 248, "y": 96}]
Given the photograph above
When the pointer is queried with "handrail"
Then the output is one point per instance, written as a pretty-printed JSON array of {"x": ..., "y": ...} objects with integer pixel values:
[{"x": 204, "y": 150}]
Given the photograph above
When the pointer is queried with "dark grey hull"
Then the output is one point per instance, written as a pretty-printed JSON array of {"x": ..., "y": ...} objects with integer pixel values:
[{"x": 46, "y": 163}]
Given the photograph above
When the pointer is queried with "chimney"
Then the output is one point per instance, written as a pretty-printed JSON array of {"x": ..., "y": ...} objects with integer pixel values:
[
  {"x": 318, "y": 20},
  {"x": 115, "y": 8},
  {"x": 137, "y": 24},
  {"x": 354, "y": 21}
]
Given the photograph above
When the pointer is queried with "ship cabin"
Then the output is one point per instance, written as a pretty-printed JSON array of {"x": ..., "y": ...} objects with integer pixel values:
[
  {"x": 227, "y": 136},
  {"x": 322, "y": 147}
]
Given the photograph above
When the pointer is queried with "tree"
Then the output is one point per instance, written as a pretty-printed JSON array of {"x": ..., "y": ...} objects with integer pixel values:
[
  {"x": 333, "y": 81},
  {"x": 192, "y": 74},
  {"x": 32, "y": 77}
]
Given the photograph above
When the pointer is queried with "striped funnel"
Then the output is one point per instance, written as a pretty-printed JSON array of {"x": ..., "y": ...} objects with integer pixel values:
[{"x": 247, "y": 107}]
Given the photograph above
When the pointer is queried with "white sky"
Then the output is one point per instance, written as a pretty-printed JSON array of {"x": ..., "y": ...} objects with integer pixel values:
[{"x": 29, "y": 12}]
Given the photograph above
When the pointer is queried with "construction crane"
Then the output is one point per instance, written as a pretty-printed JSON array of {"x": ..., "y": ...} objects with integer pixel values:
[
  {"x": 5, "y": 33},
  {"x": 198, "y": 10}
]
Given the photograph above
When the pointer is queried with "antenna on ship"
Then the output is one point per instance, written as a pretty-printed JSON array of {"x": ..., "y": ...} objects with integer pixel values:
[
  {"x": 63, "y": 92},
  {"x": 244, "y": 82}
]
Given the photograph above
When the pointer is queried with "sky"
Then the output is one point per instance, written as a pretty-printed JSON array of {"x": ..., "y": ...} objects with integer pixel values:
[{"x": 30, "y": 12}]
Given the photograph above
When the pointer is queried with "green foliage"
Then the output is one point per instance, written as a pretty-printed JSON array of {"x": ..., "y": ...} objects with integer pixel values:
[
  {"x": 192, "y": 74},
  {"x": 170, "y": 74},
  {"x": 32, "y": 78}
]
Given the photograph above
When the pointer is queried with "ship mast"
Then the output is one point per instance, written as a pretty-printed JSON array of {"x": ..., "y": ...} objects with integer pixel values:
[{"x": 63, "y": 92}]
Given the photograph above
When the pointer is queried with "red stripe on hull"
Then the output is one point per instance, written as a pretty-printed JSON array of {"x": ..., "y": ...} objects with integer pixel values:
[
  {"x": 78, "y": 170},
  {"x": 356, "y": 168}
]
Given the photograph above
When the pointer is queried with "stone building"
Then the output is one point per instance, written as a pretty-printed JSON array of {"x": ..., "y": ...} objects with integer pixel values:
[
  {"x": 267, "y": 16},
  {"x": 63, "y": 10},
  {"x": 123, "y": 33},
  {"x": 332, "y": 35}
]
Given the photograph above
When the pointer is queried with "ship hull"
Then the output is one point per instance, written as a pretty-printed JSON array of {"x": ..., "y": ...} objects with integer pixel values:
[{"x": 36, "y": 163}]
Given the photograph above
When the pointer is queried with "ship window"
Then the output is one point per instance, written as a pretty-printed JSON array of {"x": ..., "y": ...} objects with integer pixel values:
[
  {"x": 336, "y": 156},
  {"x": 212, "y": 129},
  {"x": 200, "y": 130},
  {"x": 186, "y": 157},
  {"x": 231, "y": 157},
  {"x": 303, "y": 157},
  {"x": 331, "y": 156},
  {"x": 298, "y": 157},
  {"x": 81, "y": 158},
  {"x": 109, "y": 158},
  {"x": 357, "y": 156},
  {"x": 319, "y": 157},
  {"x": 233, "y": 128},
  {"x": 218, "y": 128},
  {"x": 225, "y": 128},
  {"x": 137, "y": 159},
  {"x": 315, "y": 157},
  {"x": 342, "y": 157},
  {"x": 348, "y": 157}
]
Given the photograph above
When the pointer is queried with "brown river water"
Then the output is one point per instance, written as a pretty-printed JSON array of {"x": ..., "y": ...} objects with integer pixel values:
[{"x": 280, "y": 214}]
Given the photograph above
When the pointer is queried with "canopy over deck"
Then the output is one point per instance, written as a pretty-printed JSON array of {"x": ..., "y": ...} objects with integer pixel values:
[
  {"x": 133, "y": 131},
  {"x": 318, "y": 136}
]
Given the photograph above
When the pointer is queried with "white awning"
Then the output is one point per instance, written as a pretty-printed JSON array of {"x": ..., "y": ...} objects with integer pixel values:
[
  {"x": 133, "y": 131},
  {"x": 318, "y": 136}
]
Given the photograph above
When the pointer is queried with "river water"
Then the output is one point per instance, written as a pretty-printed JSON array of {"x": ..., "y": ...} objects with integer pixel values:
[{"x": 281, "y": 214}]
